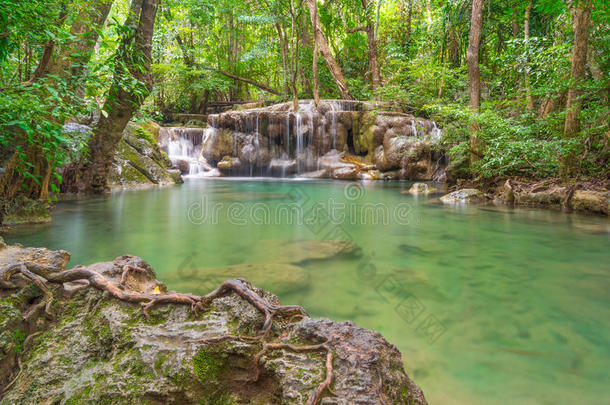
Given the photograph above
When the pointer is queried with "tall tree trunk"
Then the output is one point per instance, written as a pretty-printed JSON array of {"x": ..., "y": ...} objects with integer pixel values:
[
  {"x": 31, "y": 176},
  {"x": 474, "y": 74},
  {"x": 526, "y": 35},
  {"x": 91, "y": 175},
  {"x": 316, "y": 79},
  {"x": 334, "y": 68},
  {"x": 581, "y": 19},
  {"x": 372, "y": 47}
]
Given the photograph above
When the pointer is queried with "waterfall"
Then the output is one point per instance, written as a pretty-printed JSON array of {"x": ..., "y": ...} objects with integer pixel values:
[
  {"x": 299, "y": 135},
  {"x": 333, "y": 125},
  {"x": 184, "y": 149}
]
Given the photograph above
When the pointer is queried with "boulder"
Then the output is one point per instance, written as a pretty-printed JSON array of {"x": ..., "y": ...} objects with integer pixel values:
[
  {"x": 229, "y": 165},
  {"x": 139, "y": 159},
  {"x": 98, "y": 349},
  {"x": 421, "y": 188},
  {"x": 591, "y": 201},
  {"x": 305, "y": 250},
  {"x": 466, "y": 195},
  {"x": 347, "y": 172}
]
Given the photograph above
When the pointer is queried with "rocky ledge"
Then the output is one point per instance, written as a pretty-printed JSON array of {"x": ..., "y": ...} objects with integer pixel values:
[{"x": 111, "y": 333}]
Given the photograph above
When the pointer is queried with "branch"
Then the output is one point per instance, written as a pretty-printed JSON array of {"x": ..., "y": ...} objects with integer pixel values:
[
  {"x": 360, "y": 28},
  {"x": 243, "y": 79}
]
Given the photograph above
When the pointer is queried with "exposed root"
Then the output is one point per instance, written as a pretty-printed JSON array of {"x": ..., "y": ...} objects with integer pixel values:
[
  {"x": 85, "y": 277},
  {"x": 79, "y": 274},
  {"x": 129, "y": 268},
  {"x": 270, "y": 311},
  {"x": 10, "y": 384}
]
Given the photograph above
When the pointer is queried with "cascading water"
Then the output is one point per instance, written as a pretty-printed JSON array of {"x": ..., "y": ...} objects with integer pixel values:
[
  {"x": 278, "y": 141},
  {"x": 183, "y": 147}
]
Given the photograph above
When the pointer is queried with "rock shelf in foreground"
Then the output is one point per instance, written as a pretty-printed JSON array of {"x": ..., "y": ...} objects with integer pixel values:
[{"x": 76, "y": 342}]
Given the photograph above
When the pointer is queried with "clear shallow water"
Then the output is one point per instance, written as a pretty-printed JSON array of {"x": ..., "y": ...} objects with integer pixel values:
[{"x": 487, "y": 305}]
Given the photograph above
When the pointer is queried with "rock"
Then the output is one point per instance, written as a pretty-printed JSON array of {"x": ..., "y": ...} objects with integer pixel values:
[
  {"x": 100, "y": 349},
  {"x": 318, "y": 174},
  {"x": 467, "y": 195},
  {"x": 421, "y": 188},
  {"x": 458, "y": 169},
  {"x": 305, "y": 250},
  {"x": 347, "y": 172},
  {"x": 312, "y": 136},
  {"x": 22, "y": 210},
  {"x": 182, "y": 166},
  {"x": 229, "y": 165},
  {"x": 283, "y": 278},
  {"x": 591, "y": 201},
  {"x": 139, "y": 159},
  {"x": 176, "y": 175},
  {"x": 282, "y": 168},
  {"x": 547, "y": 198}
]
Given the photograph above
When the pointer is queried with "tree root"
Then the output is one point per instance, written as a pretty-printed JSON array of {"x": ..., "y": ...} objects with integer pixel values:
[
  {"x": 10, "y": 384},
  {"x": 85, "y": 277},
  {"x": 129, "y": 268}
]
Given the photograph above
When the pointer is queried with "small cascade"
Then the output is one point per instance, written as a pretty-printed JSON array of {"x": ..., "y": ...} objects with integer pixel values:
[{"x": 183, "y": 147}]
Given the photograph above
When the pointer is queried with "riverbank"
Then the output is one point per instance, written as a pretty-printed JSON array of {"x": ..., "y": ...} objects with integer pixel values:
[{"x": 590, "y": 196}]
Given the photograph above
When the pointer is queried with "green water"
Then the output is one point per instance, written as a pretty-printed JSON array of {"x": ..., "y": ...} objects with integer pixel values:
[{"x": 487, "y": 305}]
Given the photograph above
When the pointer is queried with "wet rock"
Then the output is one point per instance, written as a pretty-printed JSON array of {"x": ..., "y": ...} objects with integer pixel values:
[
  {"x": 422, "y": 188},
  {"x": 318, "y": 174},
  {"x": 300, "y": 251},
  {"x": 229, "y": 165},
  {"x": 282, "y": 168},
  {"x": 99, "y": 349},
  {"x": 467, "y": 195},
  {"x": 347, "y": 172},
  {"x": 283, "y": 278},
  {"x": 390, "y": 140},
  {"x": 591, "y": 201},
  {"x": 139, "y": 159},
  {"x": 548, "y": 198}
]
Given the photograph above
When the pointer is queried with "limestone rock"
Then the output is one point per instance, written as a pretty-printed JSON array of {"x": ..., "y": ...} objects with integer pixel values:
[
  {"x": 466, "y": 195},
  {"x": 591, "y": 201},
  {"x": 139, "y": 159}
]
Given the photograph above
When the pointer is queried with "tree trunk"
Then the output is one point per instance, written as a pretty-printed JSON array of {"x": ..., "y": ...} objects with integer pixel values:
[
  {"x": 476, "y": 24},
  {"x": 372, "y": 48},
  {"x": 31, "y": 176},
  {"x": 581, "y": 19},
  {"x": 316, "y": 79},
  {"x": 91, "y": 176},
  {"x": 526, "y": 36},
  {"x": 334, "y": 68}
]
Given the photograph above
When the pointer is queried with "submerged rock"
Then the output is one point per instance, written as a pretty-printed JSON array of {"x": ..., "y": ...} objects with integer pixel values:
[
  {"x": 98, "y": 349},
  {"x": 304, "y": 250},
  {"x": 466, "y": 195}
]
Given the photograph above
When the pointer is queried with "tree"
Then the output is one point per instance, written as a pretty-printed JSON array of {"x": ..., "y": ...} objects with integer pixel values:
[
  {"x": 132, "y": 58},
  {"x": 581, "y": 19},
  {"x": 331, "y": 62},
  {"x": 60, "y": 74},
  {"x": 474, "y": 74}
]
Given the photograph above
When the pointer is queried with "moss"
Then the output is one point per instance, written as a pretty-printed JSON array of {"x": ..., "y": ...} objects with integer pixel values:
[
  {"x": 141, "y": 133},
  {"x": 23, "y": 210},
  {"x": 207, "y": 365}
]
